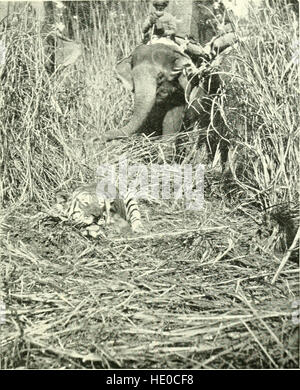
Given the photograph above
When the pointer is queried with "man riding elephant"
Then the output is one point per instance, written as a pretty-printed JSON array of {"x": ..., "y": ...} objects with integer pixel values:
[
  {"x": 161, "y": 27},
  {"x": 159, "y": 24},
  {"x": 169, "y": 90}
]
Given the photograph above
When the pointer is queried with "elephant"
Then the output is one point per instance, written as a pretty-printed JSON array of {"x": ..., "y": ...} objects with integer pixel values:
[
  {"x": 150, "y": 72},
  {"x": 158, "y": 74}
]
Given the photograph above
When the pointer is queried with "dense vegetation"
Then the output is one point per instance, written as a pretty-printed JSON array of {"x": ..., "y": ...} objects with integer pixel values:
[{"x": 198, "y": 289}]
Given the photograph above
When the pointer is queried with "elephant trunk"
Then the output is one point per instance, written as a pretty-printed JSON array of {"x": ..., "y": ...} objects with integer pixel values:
[{"x": 144, "y": 100}]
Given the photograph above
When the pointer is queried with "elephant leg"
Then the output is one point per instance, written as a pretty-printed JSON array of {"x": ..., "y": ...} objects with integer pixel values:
[
  {"x": 172, "y": 125},
  {"x": 173, "y": 121}
]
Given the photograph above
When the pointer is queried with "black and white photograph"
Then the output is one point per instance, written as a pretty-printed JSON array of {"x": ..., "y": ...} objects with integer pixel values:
[{"x": 149, "y": 192}]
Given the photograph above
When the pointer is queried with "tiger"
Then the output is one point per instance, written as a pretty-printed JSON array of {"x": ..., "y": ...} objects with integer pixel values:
[{"x": 87, "y": 207}]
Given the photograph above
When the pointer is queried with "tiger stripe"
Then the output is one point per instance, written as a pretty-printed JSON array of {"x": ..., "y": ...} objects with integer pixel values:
[
  {"x": 85, "y": 206},
  {"x": 128, "y": 209}
]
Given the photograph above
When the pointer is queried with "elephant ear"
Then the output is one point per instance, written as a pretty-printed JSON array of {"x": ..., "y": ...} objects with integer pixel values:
[
  {"x": 124, "y": 73},
  {"x": 182, "y": 66}
]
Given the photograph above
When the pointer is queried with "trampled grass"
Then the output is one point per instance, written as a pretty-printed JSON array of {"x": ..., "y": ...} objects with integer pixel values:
[{"x": 196, "y": 289}]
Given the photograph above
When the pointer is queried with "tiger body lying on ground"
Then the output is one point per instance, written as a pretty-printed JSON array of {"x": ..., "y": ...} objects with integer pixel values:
[{"x": 86, "y": 207}]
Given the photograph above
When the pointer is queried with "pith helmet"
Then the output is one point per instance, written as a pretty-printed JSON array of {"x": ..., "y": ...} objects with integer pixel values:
[{"x": 160, "y": 2}]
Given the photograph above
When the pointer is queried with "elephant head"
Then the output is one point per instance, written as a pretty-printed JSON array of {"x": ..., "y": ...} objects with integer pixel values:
[{"x": 155, "y": 73}]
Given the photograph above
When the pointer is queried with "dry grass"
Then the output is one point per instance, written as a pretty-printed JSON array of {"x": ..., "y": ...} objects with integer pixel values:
[
  {"x": 195, "y": 290},
  {"x": 262, "y": 117},
  {"x": 199, "y": 296}
]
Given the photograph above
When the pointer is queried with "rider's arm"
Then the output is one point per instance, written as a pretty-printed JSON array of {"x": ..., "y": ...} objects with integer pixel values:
[
  {"x": 147, "y": 25},
  {"x": 170, "y": 27}
]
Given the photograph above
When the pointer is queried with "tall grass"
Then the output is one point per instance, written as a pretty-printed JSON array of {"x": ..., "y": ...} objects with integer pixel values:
[
  {"x": 47, "y": 119},
  {"x": 70, "y": 302},
  {"x": 33, "y": 143},
  {"x": 263, "y": 114},
  {"x": 50, "y": 123}
]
